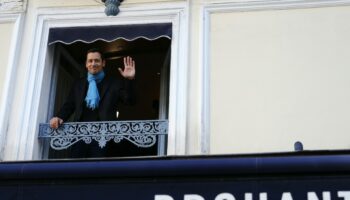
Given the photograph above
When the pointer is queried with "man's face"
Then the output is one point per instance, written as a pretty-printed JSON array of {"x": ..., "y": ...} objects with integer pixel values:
[{"x": 94, "y": 63}]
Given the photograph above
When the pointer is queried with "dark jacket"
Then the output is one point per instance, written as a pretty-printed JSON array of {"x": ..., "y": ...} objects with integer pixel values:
[{"x": 112, "y": 92}]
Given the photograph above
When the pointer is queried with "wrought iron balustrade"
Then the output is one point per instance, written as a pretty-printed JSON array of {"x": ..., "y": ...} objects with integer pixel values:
[{"x": 141, "y": 133}]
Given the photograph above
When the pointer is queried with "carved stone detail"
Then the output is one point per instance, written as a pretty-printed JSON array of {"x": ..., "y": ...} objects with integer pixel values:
[{"x": 8, "y": 6}]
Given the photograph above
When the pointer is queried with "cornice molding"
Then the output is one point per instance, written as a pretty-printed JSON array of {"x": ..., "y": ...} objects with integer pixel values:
[{"x": 234, "y": 6}]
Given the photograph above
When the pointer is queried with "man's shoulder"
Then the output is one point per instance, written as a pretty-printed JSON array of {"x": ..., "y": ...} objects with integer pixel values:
[{"x": 112, "y": 79}]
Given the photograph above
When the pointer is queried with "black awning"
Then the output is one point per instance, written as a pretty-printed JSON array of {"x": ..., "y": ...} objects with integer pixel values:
[{"x": 69, "y": 35}]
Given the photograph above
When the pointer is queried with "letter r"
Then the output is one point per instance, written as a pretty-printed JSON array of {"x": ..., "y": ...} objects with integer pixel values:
[{"x": 162, "y": 197}]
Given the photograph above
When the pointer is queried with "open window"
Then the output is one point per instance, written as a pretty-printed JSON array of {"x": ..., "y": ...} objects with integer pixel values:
[{"x": 150, "y": 47}]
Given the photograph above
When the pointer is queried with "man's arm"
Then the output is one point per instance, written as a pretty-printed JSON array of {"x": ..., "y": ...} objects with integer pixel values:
[
  {"x": 65, "y": 112},
  {"x": 128, "y": 93}
]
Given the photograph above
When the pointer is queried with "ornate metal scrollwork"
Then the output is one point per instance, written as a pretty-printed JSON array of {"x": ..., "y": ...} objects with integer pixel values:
[{"x": 141, "y": 133}]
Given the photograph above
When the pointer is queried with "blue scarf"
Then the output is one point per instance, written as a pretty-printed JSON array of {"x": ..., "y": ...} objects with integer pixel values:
[{"x": 92, "y": 98}]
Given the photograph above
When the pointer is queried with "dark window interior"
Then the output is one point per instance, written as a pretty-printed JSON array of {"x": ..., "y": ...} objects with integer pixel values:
[{"x": 151, "y": 58}]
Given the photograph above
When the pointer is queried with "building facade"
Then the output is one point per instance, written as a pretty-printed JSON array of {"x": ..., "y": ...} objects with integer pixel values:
[{"x": 244, "y": 76}]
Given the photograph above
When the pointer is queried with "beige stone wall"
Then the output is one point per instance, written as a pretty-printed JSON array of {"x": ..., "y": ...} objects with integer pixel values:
[
  {"x": 280, "y": 76},
  {"x": 6, "y": 30}
]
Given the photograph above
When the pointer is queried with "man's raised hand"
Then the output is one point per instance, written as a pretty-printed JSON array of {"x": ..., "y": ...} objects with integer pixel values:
[{"x": 129, "y": 68}]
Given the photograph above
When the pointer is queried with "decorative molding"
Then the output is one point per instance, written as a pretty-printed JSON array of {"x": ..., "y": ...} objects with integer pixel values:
[
  {"x": 112, "y": 7},
  {"x": 12, "y": 6},
  {"x": 231, "y": 6},
  {"x": 9, "y": 79},
  {"x": 141, "y": 133},
  {"x": 227, "y": 6},
  {"x": 39, "y": 68}
]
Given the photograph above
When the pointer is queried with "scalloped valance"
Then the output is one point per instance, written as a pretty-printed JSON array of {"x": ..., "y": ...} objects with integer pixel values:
[{"x": 69, "y": 35}]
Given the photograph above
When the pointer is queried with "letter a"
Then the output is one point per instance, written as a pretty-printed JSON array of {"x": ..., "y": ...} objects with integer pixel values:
[{"x": 163, "y": 197}]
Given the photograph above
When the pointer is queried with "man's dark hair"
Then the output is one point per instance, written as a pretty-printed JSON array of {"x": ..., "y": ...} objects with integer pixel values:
[{"x": 95, "y": 50}]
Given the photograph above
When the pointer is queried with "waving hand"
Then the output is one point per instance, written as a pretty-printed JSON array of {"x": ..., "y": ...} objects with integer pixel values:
[{"x": 129, "y": 68}]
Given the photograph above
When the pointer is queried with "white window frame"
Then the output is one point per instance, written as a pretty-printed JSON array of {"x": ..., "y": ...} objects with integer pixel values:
[
  {"x": 39, "y": 70},
  {"x": 11, "y": 71}
]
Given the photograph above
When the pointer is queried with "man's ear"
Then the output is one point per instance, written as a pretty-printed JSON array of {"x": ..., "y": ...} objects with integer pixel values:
[{"x": 103, "y": 63}]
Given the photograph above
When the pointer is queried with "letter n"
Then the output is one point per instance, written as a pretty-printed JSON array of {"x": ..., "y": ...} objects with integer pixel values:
[{"x": 313, "y": 196}]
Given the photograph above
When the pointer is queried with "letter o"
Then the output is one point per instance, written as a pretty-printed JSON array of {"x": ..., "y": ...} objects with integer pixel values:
[{"x": 225, "y": 196}]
